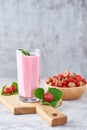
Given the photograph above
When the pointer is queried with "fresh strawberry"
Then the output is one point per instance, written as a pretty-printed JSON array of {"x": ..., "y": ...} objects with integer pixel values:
[
  {"x": 66, "y": 73},
  {"x": 48, "y": 80},
  {"x": 59, "y": 76},
  {"x": 71, "y": 84},
  {"x": 73, "y": 75},
  {"x": 55, "y": 76},
  {"x": 66, "y": 79},
  {"x": 48, "y": 97},
  {"x": 7, "y": 90},
  {"x": 69, "y": 79},
  {"x": 56, "y": 82},
  {"x": 65, "y": 86},
  {"x": 12, "y": 88},
  {"x": 83, "y": 80},
  {"x": 74, "y": 81},
  {"x": 64, "y": 82},
  {"x": 51, "y": 83},
  {"x": 55, "y": 79},
  {"x": 78, "y": 78},
  {"x": 77, "y": 83},
  {"x": 60, "y": 85},
  {"x": 81, "y": 83}
]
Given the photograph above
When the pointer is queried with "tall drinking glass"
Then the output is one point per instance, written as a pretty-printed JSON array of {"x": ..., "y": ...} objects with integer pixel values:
[{"x": 28, "y": 74}]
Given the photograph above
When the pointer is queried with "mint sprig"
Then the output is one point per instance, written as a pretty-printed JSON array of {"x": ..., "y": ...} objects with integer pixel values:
[
  {"x": 56, "y": 93},
  {"x": 24, "y": 52}
]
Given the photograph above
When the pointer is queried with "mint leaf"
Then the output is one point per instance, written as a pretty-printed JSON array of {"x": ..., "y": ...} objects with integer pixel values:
[
  {"x": 24, "y": 52},
  {"x": 57, "y": 94},
  {"x": 39, "y": 93}
]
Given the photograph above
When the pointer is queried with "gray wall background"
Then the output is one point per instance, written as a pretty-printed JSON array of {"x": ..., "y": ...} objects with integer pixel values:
[{"x": 57, "y": 27}]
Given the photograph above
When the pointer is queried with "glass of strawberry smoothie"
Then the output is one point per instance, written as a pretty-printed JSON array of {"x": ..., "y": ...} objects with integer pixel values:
[{"x": 28, "y": 74}]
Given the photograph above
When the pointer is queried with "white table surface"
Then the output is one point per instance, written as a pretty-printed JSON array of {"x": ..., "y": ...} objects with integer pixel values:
[{"x": 75, "y": 110}]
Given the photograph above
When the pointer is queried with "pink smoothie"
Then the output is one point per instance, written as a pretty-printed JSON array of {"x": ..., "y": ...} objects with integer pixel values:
[{"x": 28, "y": 72}]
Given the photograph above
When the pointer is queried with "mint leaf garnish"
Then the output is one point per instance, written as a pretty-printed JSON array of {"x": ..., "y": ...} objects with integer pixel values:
[
  {"x": 24, "y": 52},
  {"x": 39, "y": 93}
]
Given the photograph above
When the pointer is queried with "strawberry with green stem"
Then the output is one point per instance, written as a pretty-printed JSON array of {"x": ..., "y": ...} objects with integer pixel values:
[
  {"x": 10, "y": 89},
  {"x": 51, "y": 97}
]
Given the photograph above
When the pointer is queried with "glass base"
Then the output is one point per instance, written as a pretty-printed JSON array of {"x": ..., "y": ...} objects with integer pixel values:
[{"x": 27, "y": 99}]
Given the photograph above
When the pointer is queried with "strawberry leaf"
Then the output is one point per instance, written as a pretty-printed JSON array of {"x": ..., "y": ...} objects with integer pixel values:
[
  {"x": 57, "y": 94},
  {"x": 39, "y": 93},
  {"x": 53, "y": 103},
  {"x": 7, "y": 85},
  {"x": 45, "y": 103},
  {"x": 2, "y": 90},
  {"x": 16, "y": 86}
]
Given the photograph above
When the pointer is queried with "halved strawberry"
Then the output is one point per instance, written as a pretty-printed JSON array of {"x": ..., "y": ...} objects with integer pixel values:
[
  {"x": 71, "y": 84},
  {"x": 81, "y": 83},
  {"x": 66, "y": 73},
  {"x": 12, "y": 88},
  {"x": 7, "y": 90},
  {"x": 48, "y": 97}
]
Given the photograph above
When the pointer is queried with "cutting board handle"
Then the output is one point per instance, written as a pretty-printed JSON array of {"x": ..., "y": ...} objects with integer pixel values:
[{"x": 51, "y": 115}]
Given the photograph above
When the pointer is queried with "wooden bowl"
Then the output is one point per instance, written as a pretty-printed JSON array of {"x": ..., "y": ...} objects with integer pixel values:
[{"x": 71, "y": 93}]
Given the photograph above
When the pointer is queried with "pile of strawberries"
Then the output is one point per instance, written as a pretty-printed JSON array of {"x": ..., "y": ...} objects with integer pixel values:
[
  {"x": 9, "y": 89},
  {"x": 66, "y": 80}
]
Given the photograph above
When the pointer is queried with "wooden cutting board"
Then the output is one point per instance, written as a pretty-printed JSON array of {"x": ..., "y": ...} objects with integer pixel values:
[{"x": 48, "y": 113}]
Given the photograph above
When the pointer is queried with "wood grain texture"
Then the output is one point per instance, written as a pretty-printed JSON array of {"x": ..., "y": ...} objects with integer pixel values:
[
  {"x": 16, "y": 106},
  {"x": 51, "y": 115},
  {"x": 48, "y": 113}
]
